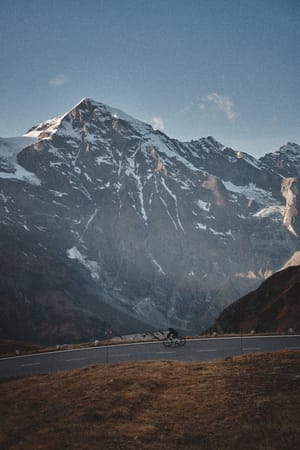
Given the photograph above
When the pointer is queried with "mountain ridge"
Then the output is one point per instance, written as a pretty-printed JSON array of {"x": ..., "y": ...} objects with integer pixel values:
[{"x": 162, "y": 232}]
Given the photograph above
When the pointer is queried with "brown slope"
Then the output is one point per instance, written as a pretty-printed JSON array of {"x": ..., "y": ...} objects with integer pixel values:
[
  {"x": 242, "y": 403},
  {"x": 273, "y": 307}
]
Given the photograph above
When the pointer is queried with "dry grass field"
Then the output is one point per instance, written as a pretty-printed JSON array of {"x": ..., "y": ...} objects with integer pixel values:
[
  {"x": 249, "y": 402},
  {"x": 9, "y": 347}
]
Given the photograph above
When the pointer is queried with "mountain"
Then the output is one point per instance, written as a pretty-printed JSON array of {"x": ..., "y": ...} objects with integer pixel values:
[
  {"x": 273, "y": 307},
  {"x": 107, "y": 224}
]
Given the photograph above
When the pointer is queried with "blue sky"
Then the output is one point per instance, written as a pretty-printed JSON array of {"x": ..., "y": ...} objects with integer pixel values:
[{"x": 193, "y": 68}]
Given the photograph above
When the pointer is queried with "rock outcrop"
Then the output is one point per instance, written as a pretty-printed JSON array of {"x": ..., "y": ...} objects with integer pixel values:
[{"x": 290, "y": 192}]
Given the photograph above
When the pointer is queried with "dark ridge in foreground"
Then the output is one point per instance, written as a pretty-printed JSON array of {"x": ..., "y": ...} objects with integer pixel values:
[{"x": 273, "y": 307}]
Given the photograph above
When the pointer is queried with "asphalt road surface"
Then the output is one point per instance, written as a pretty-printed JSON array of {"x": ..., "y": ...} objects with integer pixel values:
[{"x": 195, "y": 350}]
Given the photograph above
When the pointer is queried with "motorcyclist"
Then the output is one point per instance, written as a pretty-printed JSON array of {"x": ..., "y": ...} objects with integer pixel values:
[{"x": 172, "y": 334}]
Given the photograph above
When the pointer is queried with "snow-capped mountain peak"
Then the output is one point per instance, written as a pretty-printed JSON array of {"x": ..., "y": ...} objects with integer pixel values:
[
  {"x": 85, "y": 110},
  {"x": 126, "y": 224},
  {"x": 45, "y": 129}
]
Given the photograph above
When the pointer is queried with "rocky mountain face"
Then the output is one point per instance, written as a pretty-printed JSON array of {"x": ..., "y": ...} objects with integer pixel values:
[
  {"x": 107, "y": 224},
  {"x": 273, "y": 307}
]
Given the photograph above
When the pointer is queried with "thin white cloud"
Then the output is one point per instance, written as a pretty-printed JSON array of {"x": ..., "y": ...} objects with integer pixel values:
[
  {"x": 221, "y": 102},
  {"x": 58, "y": 80},
  {"x": 158, "y": 123}
]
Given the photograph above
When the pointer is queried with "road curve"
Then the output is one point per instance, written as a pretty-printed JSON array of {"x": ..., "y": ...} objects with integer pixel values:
[{"x": 202, "y": 349}]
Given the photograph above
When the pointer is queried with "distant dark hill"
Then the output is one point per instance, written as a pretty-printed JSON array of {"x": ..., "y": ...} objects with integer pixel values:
[{"x": 273, "y": 307}]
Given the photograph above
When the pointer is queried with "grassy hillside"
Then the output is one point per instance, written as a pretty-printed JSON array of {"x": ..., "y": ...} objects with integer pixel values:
[
  {"x": 9, "y": 347},
  {"x": 249, "y": 402}
]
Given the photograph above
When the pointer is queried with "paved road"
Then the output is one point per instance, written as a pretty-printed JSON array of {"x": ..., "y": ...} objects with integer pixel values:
[{"x": 194, "y": 350}]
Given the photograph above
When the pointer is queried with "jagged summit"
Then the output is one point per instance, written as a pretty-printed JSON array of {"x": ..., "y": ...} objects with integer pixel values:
[
  {"x": 116, "y": 113},
  {"x": 85, "y": 110},
  {"x": 208, "y": 143},
  {"x": 290, "y": 146},
  {"x": 284, "y": 161}
]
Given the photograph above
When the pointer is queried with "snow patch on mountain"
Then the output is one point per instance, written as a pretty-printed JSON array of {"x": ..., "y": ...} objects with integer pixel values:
[
  {"x": 174, "y": 197},
  {"x": 156, "y": 140},
  {"x": 45, "y": 129},
  {"x": 275, "y": 212},
  {"x": 200, "y": 226},
  {"x": 251, "y": 191},
  {"x": 66, "y": 129},
  {"x": 158, "y": 266},
  {"x": 203, "y": 205},
  {"x": 221, "y": 233},
  {"x": 9, "y": 166},
  {"x": 92, "y": 266}
]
